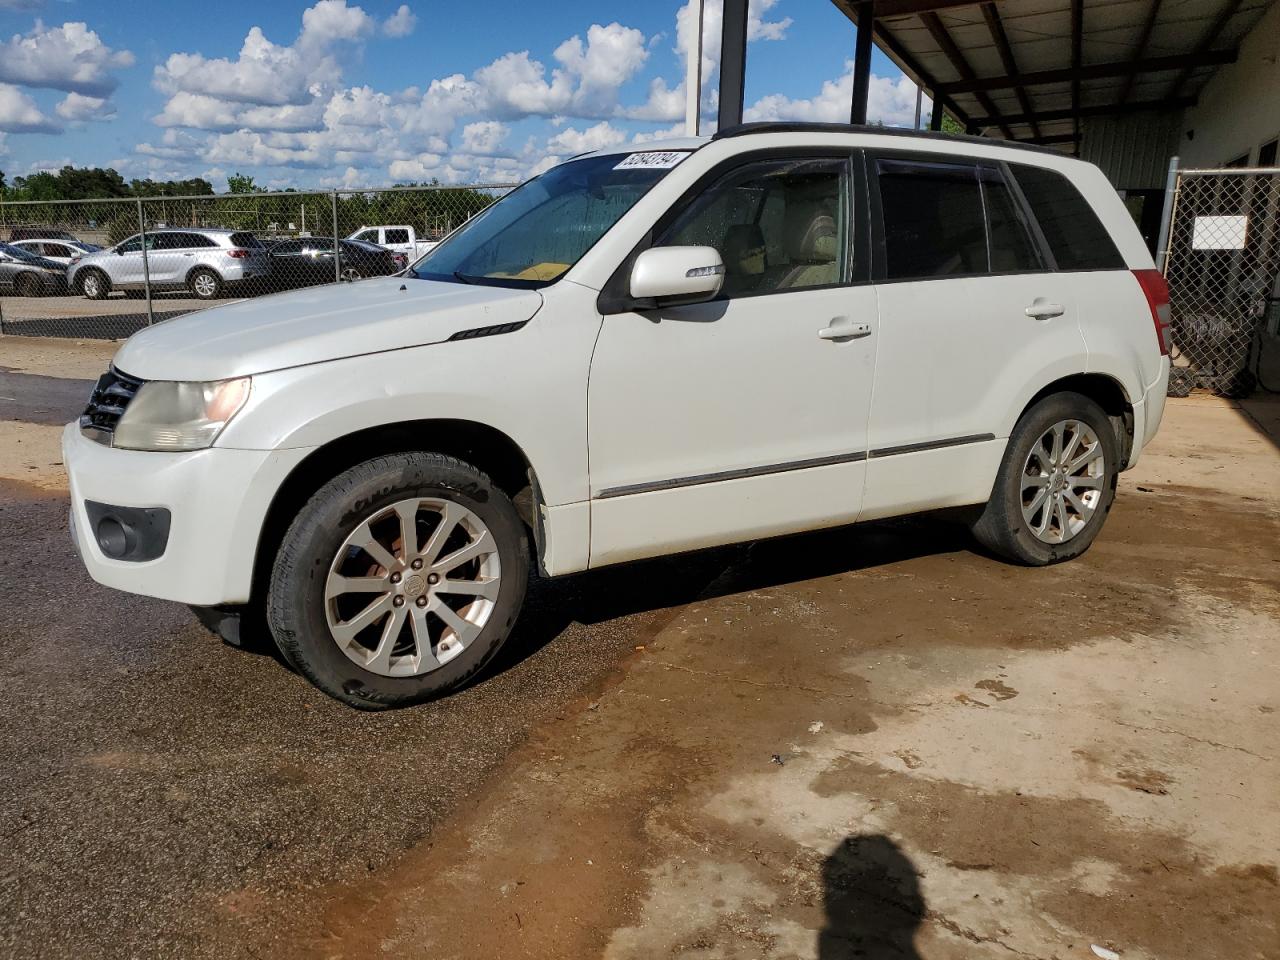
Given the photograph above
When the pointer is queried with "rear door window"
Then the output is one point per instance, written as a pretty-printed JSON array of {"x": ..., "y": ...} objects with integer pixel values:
[
  {"x": 396, "y": 236},
  {"x": 1075, "y": 235},
  {"x": 932, "y": 219},
  {"x": 245, "y": 240}
]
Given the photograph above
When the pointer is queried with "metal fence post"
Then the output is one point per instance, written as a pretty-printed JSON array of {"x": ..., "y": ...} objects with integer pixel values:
[
  {"x": 1166, "y": 216},
  {"x": 146, "y": 264},
  {"x": 337, "y": 265}
]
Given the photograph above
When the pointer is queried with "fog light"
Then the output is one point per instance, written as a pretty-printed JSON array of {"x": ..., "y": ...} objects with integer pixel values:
[{"x": 116, "y": 539}]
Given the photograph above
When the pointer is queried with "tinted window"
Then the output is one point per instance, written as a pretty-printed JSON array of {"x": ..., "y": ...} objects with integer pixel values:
[
  {"x": 245, "y": 240},
  {"x": 1009, "y": 237},
  {"x": 170, "y": 241},
  {"x": 287, "y": 248},
  {"x": 393, "y": 236},
  {"x": 132, "y": 245},
  {"x": 1267, "y": 153},
  {"x": 54, "y": 250},
  {"x": 1076, "y": 237},
  {"x": 933, "y": 222},
  {"x": 778, "y": 224}
]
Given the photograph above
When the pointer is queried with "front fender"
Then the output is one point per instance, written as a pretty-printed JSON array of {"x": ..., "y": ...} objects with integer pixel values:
[{"x": 529, "y": 385}]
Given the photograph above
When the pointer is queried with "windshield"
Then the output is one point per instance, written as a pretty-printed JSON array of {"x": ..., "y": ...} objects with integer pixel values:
[{"x": 534, "y": 234}]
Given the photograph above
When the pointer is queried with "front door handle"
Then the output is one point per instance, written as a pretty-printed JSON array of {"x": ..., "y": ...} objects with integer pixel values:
[
  {"x": 842, "y": 328},
  {"x": 1042, "y": 309}
]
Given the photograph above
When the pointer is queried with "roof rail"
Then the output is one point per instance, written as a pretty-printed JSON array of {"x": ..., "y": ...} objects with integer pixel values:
[{"x": 808, "y": 126}]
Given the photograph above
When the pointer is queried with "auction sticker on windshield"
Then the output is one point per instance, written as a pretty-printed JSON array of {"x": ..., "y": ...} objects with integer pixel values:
[{"x": 652, "y": 159}]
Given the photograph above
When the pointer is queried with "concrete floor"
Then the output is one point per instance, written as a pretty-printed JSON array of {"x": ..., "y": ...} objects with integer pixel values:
[{"x": 868, "y": 742}]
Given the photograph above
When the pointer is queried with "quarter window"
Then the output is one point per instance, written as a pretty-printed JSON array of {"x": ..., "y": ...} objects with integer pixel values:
[
  {"x": 778, "y": 224},
  {"x": 933, "y": 219},
  {"x": 1076, "y": 237}
]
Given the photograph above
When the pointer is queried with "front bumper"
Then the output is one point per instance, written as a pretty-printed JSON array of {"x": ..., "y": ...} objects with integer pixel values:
[{"x": 217, "y": 498}]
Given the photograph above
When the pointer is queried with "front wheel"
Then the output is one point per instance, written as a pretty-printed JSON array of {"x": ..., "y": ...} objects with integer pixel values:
[
  {"x": 399, "y": 580},
  {"x": 1056, "y": 483},
  {"x": 95, "y": 285}
]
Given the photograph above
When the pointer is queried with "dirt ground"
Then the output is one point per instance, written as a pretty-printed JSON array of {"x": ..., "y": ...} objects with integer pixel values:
[
  {"x": 876, "y": 742},
  {"x": 869, "y": 742}
]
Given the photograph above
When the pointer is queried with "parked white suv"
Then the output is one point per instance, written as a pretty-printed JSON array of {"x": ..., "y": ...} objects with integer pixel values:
[
  {"x": 641, "y": 351},
  {"x": 203, "y": 260}
]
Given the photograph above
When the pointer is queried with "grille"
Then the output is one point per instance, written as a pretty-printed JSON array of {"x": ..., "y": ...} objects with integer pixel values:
[{"x": 110, "y": 398}]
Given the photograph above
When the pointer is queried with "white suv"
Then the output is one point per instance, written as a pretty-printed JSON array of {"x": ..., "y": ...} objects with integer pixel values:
[{"x": 639, "y": 352}]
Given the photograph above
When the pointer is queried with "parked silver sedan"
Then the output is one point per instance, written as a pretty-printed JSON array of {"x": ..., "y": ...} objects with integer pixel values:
[
  {"x": 28, "y": 275},
  {"x": 205, "y": 261}
]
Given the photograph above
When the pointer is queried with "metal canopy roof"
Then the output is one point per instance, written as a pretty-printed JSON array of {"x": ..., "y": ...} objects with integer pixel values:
[{"x": 1030, "y": 70}]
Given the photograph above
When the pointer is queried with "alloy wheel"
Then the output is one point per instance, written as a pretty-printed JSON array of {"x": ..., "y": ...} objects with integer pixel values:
[
  {"x": 1062, "y": 481},
  {"x": 412, "y": 586},
  {"x": 204, "y": 284}
]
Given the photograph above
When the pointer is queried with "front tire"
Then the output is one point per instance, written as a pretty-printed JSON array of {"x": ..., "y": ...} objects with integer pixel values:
[
  {"x": 1056, "y": 483},
  {"x": 399, "y": 580},
  {"x": 95, "y": 285}
]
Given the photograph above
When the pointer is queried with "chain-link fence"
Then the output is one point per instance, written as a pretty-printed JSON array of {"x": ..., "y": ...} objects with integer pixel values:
[
  {"x": 104, "y": 269},
  {"x": 1222, "y": 263}
]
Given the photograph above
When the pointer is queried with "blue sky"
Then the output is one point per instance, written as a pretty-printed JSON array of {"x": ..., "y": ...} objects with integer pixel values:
[{"x": 340, "y": 92}]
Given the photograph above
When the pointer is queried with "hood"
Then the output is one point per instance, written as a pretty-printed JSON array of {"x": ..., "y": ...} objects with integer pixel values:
[{"x": 317, "y": 324}]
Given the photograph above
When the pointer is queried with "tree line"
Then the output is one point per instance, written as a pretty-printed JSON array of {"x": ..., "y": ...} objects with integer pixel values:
[{"x": 245, "y": 206}]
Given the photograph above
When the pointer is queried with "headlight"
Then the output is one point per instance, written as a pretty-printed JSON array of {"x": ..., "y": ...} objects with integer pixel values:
[{"x": 168, "y": 415}]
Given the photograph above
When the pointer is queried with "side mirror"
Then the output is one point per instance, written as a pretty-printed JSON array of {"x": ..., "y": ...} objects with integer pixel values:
[{"x": 677, "y": 275}]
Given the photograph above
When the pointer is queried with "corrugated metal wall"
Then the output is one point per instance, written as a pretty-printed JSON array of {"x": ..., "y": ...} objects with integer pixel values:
[{"x": 1132, "y": 151}]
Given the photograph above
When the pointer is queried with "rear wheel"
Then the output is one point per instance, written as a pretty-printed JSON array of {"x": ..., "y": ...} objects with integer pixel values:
[
  {"x": 399, "y": 580},
  {"x": 95, "y": 285},
  {"x": 351, "y": 274},
  {"x": 1056, "y": 483},
  {"x": 204, "y": 284}
]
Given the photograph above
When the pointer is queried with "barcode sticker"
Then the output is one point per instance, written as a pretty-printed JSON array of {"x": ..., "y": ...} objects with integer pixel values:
[{"x": 652, "y": 159}]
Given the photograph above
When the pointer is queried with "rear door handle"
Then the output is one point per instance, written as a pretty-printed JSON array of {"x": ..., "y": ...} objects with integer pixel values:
[
  {"x": 1042, "y": 309},
  {"x": 842, "y": 328}
]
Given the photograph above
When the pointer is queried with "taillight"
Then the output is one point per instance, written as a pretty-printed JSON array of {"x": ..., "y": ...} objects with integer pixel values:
[
  {"x": 237, "y": 254},
  {"x": 1157, "y": 293}
]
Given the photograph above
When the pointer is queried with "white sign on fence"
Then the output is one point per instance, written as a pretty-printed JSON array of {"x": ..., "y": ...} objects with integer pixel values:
[{"x": 1219, "y": 232}]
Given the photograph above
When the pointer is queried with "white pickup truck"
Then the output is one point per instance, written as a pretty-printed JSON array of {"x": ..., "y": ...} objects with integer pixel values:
[{"x": 399, "y": 238}]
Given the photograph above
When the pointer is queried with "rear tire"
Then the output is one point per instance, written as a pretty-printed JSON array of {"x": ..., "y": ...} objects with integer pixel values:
[
  {"x": 95, "y": 285},
  {"x": 1048, "y": 506},
  {"x": 204, "y": 284},
  {"x": 376, "y": 625}
]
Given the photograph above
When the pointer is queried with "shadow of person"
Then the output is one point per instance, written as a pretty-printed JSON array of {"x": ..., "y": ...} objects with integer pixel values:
[{"x": 873, "y": 901}]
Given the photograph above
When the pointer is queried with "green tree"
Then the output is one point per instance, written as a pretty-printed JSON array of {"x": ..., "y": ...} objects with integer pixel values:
[
  {"x": 194, "y": 187},
  {"x": 241, "y": 183}
]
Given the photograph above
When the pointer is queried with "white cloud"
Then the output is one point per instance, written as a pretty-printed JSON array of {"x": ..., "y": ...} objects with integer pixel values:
[
  {"x": 483, "y": 137},
  {"x": 356, "y": 107},
  {"x": 270, "y": 74},
  {"x": 19, "y": 113},
  {"x": 664, "y": 103},
  {"x": 516, "y": 85},
  {"x": 400, "y": 23},
  {"x": 571, "y": 141},
  {"x": 70, "y": 57},
  {"x": 421, "y": 167},
  {"x": 611, "y": 57},
  {"x": 77, "y": 107},
  {"x": 890, "y": 102},
  {"x": 669, "y": 133}
]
